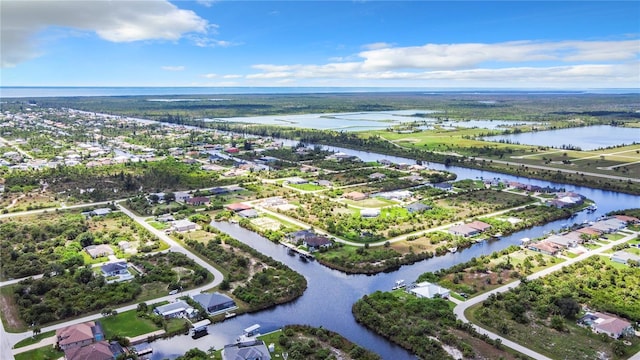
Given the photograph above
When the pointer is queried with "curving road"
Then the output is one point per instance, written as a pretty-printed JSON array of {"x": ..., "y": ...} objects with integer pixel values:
[
  {"x": 460, "y": 309},
  {"x": 8, "y": 340}
]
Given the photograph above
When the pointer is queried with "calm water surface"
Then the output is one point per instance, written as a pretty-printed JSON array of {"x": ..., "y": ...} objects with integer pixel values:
[
  {"x": 330, "y": 294},
  {"x": 586, "y": 138}
]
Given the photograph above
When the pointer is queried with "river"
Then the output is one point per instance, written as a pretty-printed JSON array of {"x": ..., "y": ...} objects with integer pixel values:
[{"x": 330, "y": 294}]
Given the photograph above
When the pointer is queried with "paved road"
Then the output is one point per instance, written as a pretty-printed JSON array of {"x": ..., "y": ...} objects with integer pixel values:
[
  {"x": 7, "y": 340},
  {"x": 462, "y": 307}
]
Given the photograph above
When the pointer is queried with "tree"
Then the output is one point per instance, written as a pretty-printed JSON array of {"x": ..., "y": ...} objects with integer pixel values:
[{"x": 36, "y": 331}]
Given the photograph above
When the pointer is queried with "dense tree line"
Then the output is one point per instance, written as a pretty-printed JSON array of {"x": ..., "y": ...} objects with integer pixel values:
[
  {"x": 273, "y": 284},
  {"x": 417, "y": 324},
  {"x": 81, "y": 290}
]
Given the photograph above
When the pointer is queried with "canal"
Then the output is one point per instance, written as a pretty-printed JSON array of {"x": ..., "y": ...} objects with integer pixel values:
[{"x": 330, "y": 294}]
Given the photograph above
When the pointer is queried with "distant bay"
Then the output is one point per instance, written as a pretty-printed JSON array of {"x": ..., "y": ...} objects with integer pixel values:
[{"x": 45, "y": 91}]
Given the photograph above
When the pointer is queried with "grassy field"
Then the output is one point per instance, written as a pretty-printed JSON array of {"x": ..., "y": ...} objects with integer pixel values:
[
  {"x": 127, "y": 324},
  {"x": 34, "y": 339},
  {"x": 43, "y": 353}
]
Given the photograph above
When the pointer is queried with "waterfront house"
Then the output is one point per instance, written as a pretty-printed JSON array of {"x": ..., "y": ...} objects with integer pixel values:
[
  {"x": 428, "y": 290},
  {"x": 479, "y": 225},
  {"x": 561, "y": 241},
  {"x": 175, "y": 309},
  {"x": 100, "y": 350},
  {"x": 627, "y": 219},
  {"x": 544, "y": 248},
  {"x": 300, "y": 235},
  {"x": 314, "y": 243},
  {"x": 463, "y": 230},
  {"x": 246, "y": 350},
  {"x": 214, "y": 302},
  {"x": 79, "y": 335},
  {"x": 248, "y": 214}
]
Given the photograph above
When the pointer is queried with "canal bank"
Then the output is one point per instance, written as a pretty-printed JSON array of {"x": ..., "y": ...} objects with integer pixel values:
[{"x": 330, "y": 293}]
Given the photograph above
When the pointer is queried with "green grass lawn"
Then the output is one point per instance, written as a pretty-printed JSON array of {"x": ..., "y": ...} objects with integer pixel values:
[
  {"x": 127, "y": 324},
  {"x": 159, "y": 225},
  {"x": 34, "y": 339},
  {"x": 307, "y": 187},
  {"x": 43, "y": 353}
]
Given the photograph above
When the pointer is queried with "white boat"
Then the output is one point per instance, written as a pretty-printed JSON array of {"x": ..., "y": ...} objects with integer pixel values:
[
  {"x": 525, "y": 240},
  {"x": 399, "y": 285},
  {"x": 453, "y": 249}
]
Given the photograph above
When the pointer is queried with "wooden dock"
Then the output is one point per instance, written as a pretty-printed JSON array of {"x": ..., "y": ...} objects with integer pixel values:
[{"x": 301, "y": 252}]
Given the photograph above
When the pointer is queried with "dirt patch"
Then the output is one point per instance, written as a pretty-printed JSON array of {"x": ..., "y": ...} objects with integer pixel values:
[
  {"x": 9, "y": 315},
  {"x": 481, "y": 348}
]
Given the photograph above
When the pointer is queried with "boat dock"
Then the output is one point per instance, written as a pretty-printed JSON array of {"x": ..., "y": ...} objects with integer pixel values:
[{"x": 303, "y": 253}]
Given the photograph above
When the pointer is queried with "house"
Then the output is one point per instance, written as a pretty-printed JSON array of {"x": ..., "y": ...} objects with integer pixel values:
[
  {"x": 182, "y": 196},
  {"x": 429, "y": 290},
  {"x": 443, "y": 186},
  {"x": 248, "y": 214},
  {"x": 369, "y": 213},
  {"x": 183, "y": 225},
  {"x": 232, "y": 150},
  {"x": 623, "y": 257},
  {"x": 97, "y": 251},
  {"x": 627, "y": 219},
  {"x": 79, "y": 335},
  {"x": 610, "y": 325},
  {"x": 100, "y": 350},
  {"x": 198, "y": 200},
  {"x": 300, "y": 235},
  {"x": 176, "y": 309},
  {"x": 377, "y": 176},
  {"x": 297, "y": 180},
  {"x": 218, "y": 191},
  {"x": 165, "y": 218},
  {"x": 314, "y": 243},
  {"x": 609, "y": 225},
  {"x": 247, "y": 350},
  {"x": 159, "y": 197},
  {"x": 355, "y": 196},
  {"x": 100, "y": 212},
  {"x": 479, "y": 225},
  {"x": 274, "y": 201},
  {"x": 325, "y": 183},
  {"x": 464, "y": 230},
  {"x": 115, "y": 269},
  {"x": 236, "y": 207},
  {"x": 395, "y": 195},
  {"x": 417, "y": 207},
  {"x": 544, "y": 248},
  {"x": 589, "y": 231},
  {"x": 561, "y": 241},
  {"x": 214, "y": 302}
]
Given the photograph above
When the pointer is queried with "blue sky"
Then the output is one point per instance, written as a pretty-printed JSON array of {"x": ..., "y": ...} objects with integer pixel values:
[{"x": 504, "y": 44}]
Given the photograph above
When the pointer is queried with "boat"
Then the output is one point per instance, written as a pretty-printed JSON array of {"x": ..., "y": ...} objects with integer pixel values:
[
  {"x": 453, "y": 249},
  {"x": 291, "y": 252},
  {"x": 198, "y": 333},
  {"x": 525, "y": 240},
  {"x": 496, "y": 235},
  {"x": 228, "y": 315},
  {"x": 592, "y": 208},
  {"x": 303, "y": 258},
  {"x": 399, "y": 285}
]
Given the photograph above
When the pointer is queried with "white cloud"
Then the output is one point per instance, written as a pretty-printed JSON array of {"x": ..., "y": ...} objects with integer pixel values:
[
  {"x": 173, "y": 68},
  {"x": 377, "y": 46},
  {"x": 210, "y": 76},
  {"x": 528, "y": 63},
  {"x": 116, "y": 21},
  {"x": 457, "y": 56},
  {"x": 207, "y": 3},
  {"x": 232, "y": 76},
  {"x": 205, "y": 41}
]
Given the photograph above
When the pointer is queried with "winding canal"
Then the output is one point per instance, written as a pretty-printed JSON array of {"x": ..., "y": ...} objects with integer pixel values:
[{"x": 330, "y": 293}]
